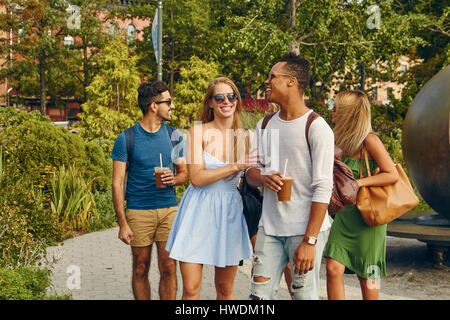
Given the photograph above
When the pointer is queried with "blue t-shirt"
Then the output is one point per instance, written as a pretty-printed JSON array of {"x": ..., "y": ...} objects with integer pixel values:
[{"x": 141, "y": 192}]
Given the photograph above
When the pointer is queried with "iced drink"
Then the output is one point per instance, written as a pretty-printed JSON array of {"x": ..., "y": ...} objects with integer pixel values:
[
  {"x": 285, "y": 193},
  {"x": 158, "y": 172}
]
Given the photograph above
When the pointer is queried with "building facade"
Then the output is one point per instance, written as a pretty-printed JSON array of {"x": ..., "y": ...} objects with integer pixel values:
[{"x": 132, "y": 28}]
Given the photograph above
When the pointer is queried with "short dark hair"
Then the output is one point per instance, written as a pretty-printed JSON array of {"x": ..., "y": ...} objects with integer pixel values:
[
  {"x": 148, "y": 92},
  {"x": 298, "y": 66}
]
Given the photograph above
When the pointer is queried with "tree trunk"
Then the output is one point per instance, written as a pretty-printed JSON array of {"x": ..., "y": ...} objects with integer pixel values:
[
  {"x": 363, "y": 76},
  {"x": 313, "y": 88},
  {"x": 292, "y": 21},
  {"x": 118, "y": 98},
  {"x": 85, "y": 69},
  {"x": 43, "y": 86}
]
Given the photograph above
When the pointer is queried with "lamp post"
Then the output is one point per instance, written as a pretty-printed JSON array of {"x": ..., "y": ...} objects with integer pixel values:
[
  {"x": 160, "y": 22},
  {"x": 8, "y": 99}
]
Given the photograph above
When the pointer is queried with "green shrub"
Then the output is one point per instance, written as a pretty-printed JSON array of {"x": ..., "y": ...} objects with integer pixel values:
[
  {"x": 23, "y": 284},
  {"x": 179, "y": 190},
  {"x": 26, "y": 284},
  {"x": 71, "y": 198},
  {"x": 1, "y": 163},
  {"x": 26, "y": 222},
  {"x": 322, "y": 109},
  {"x": 12, "y": 117},
  {"x": 106, "y": 215},
  {"x": 250, "y": 118},
  {"x": 30, "y": 144},
  {"x": 107, "y": 147}
]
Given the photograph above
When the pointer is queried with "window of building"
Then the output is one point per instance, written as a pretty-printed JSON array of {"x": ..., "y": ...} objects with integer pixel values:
[
  {"x": 390, "y": 92},
  {"x": 404, "y": 67},
  {"x": 68, "y": 41},
  {"x": 112, "y": 29},
  {"x": 21, "y": 33},
  {"x": 374, "y": 92},
  {"x": 131, "y": 32}
]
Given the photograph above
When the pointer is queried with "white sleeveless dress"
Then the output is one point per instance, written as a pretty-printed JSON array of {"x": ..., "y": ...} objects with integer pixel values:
[{"x": 210, "y": 226}]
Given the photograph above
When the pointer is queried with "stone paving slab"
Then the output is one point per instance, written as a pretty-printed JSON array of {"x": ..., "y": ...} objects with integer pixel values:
[{"x": 97, "y": 266}]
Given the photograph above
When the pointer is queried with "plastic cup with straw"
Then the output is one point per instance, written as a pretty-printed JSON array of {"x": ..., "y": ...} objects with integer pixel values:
[
  {"x": 285, "y": 193},
  {"x": 158, "y": 172},
  {"x": 285, "y": 167}
]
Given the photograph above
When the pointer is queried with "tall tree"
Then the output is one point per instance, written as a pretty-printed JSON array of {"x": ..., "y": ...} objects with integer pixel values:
[
  {"x": 90, "y": 33},
  {"x": 434, "y": 28},
  {"x": 39, "y": 26},
  {"x": 112, "y": 95},
  {"x": 186, "y": 33},
  {"x": 333, "y": 34},
  {"x": 195, "y": 77}
]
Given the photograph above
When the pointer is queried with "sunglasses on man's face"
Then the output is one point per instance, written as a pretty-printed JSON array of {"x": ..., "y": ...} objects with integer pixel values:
[
  {"x": 220, "y": 97},
  {"x": 273, "y": 75},
  {"x": 169, "y": 102}
]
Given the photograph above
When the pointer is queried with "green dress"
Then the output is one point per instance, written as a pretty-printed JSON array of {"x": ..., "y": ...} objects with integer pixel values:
[{"x": 360, "y": 248}]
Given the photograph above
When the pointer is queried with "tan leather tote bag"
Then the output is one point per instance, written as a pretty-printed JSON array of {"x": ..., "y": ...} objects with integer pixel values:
[{"x": 381, "y": 205}]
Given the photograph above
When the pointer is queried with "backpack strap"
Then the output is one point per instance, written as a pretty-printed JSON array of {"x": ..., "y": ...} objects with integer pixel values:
[
  {"x": 266, "y": 120},
  {"x": 129, "y": 140},
  {"x": 312, "y": 116},
  {"x": 263, "y": 127}
]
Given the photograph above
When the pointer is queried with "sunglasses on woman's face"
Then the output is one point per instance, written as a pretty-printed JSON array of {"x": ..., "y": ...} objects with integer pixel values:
[{"x": 220, "y": 97}]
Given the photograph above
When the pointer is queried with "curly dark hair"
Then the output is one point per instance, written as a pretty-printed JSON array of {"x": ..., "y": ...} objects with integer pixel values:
[
  {"x": 297, "y": 66},
  {"x": 149, "y": 92}
]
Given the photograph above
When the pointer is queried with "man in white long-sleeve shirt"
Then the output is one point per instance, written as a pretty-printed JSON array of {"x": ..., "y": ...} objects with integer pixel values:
[{"x": 292, "y": 231}]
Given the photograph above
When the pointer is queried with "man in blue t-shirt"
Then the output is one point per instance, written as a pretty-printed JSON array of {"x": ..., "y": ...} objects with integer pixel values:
[{"x": 150, "y": 209}]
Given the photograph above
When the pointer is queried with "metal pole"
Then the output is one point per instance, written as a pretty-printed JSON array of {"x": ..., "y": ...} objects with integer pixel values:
[
  {"x": 10, "y": 60},
  {"x": 160, "y": 24}
]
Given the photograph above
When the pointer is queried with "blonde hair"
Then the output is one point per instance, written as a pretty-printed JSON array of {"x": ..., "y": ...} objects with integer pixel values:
[
  {"x": 273, "y": 107},
  {"x": 208, "y": 112},
  {"x": 353, "y": 122}
]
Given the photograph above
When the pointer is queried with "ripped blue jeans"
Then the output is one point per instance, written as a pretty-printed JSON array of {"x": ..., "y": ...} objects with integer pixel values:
[{"x": 269, "y": 261}]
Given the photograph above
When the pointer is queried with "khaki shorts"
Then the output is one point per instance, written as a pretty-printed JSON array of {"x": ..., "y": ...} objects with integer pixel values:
[{"x": 149, "y": 226}]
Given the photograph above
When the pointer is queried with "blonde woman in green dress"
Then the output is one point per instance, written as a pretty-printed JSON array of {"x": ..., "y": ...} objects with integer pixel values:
[{"x": 353, "y": 246}]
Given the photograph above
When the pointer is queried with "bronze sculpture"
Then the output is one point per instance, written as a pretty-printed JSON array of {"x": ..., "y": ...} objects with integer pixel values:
[
  {"x": 426, "y": 142},
  {"x": 426, "y": 151}
]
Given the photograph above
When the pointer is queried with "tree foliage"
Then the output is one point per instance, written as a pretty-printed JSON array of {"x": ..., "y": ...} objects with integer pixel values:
[
  {"x": 189, "y": 94},
  {"x": 90, "y": 37},
  {"x": 334, "y": 35},
  {"x": 29, "y": 145},
  {"x": 38, "y": 49},
  {"x": 112, "y": 104}
]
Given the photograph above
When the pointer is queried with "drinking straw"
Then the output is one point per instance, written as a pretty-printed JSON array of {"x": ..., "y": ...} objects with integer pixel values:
[
  {"x": 285, "y": 167},
  {"x": 160, "y": 159}
]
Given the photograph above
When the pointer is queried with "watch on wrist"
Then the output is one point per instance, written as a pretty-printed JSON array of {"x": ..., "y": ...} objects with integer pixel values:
[{"x": 310, "y": 240}]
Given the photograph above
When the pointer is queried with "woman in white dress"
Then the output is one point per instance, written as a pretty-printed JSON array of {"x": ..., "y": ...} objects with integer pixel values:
[{"x": 210, "y": 227}]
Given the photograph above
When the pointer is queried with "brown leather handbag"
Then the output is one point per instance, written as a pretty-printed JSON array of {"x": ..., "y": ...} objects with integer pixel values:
[
  {"x": 345, "y": 187},
  {"x": 381, "y": 205}
]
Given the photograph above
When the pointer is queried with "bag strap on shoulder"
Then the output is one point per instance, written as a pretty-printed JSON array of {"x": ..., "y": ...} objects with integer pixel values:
[
  {"x": 129, "y": 140},
  {"x": 263, "y": 127},
  {"x": 266, "y": 120},
  {"x": 366, "y": 159},
  {"x": 312, "y": 116}
]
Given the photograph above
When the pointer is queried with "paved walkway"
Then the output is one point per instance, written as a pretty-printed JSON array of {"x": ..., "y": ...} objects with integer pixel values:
[{"x": 97, "y": 266}]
